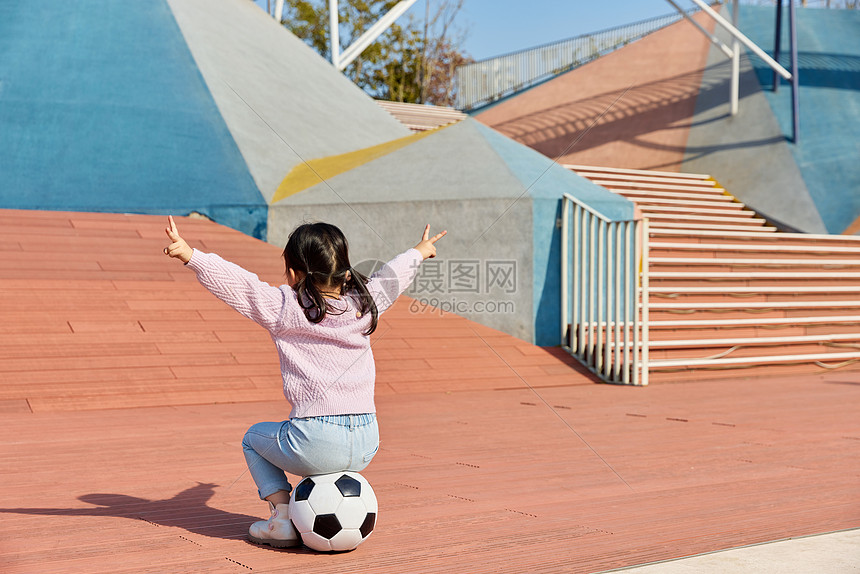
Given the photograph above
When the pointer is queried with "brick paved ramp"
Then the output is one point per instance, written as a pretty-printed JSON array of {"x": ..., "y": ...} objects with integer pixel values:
[{"x": 122, "y": 425}]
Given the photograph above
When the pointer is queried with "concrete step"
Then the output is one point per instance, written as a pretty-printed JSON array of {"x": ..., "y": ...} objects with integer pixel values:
[
  {"x": 781, "y": 257},
  {"x": 755, "y": 360},
  {"x": 746, "y": 331},
  {"x": 718, "y": 307},
  {"x": 752, "y": 370},
  {"x": 761, "y": 279},
  {"x": 746, "y": 321},
  {"x": 711, "y": 313},
  {"x": 728, "y": 294},
  {"x": 585, "y": 170},
  {"x": 745, "y": 264},
  {"x": 681, "y": 202},
  {"x": 660, "y": 226},
  {"x": 744, "y": 300},
  {"x": 739, "y": 350},
  {"x": 778, "y": 239},
  {"x": 657, "y": 188},
  {"x": 743, "y": 218},
  {"x": 690, "y": 194},
  {"x": 720, "y": 210},
  {"x": 770, "y": 245},
  {"x": 653, "y": 177}
]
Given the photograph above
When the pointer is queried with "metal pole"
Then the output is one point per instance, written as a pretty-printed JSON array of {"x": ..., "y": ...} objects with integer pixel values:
[
  {"x": 619, "y": 250},
  {"x": 583, "y": 282},
  {"x": 601, "y": 316},
  {"x": 795, "y": 85},
  {"x": 565, "y": 296},
  {"x": 777, "y": 42},
  {"x": 645, "y": 287},
  {"x": 743, "y": 39},
  {"x": 422, "y": 83},
  {"x": 372, "y": 33},
  {"x": 592, "y": 285},
  {"x": 611, "y": 255},
  {"x": 716, "y": 41},
  {"x": 575, "y": 318},
  {"x": 629, "y": 295},
  {"x": 736, "y": 63},
  {"x": 637, "y": 307},
  {"x": 334, "y": 33}
]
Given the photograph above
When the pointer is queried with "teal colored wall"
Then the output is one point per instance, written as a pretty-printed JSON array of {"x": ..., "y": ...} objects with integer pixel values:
[
  {"x": 102, "y": 108},
  {"x": 829, "y": 98}
]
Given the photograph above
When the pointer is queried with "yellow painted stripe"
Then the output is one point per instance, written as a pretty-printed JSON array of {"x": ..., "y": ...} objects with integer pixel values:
[{"x": 310, "y": 173}]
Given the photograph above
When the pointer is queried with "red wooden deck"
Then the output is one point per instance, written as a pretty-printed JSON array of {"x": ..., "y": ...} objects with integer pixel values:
[{"x": 125, "y": 389}]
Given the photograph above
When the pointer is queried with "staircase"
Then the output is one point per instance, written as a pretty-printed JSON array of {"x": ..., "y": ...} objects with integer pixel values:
[
  {"x": 420, "y": 117},
  {"x": 722, "y": 290}
]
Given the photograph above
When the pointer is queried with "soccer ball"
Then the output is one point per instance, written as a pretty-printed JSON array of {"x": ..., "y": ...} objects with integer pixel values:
[{"x": 333, "y": 512}]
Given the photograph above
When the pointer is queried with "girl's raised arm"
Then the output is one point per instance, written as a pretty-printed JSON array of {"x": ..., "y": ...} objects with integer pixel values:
[{"x": 239, "y": 288}]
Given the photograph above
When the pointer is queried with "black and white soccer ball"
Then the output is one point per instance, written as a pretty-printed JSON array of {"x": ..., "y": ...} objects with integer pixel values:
[{"x": 333, "y": 512}]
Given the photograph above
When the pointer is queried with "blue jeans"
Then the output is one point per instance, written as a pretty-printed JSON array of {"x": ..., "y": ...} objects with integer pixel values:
[{"x": 302, "y": 447}]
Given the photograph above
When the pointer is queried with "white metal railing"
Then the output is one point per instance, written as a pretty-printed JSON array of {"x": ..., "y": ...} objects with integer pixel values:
[
  {"x": 604, "y": 292},
  {"x": 766, "y": 299},
  {"x": 486, "y": 81}
]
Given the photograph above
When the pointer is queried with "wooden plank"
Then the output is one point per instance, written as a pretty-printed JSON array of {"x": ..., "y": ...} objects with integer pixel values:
[{"x": 707, "y": 466}]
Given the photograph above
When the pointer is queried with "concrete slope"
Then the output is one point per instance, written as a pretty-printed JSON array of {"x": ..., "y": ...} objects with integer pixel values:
[
  {"x": 810, "y": 185},
  {"x": 829, "y": 99},
  {"x": 282, "y": 102},
  {"x": 103, "y": 109},
  {"x": 166, "y": 106},
  {"x": 629, "y": 109}
]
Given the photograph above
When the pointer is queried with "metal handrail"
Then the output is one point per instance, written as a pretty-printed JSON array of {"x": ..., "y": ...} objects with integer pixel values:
[
  {"x": 486, "y": 81},
  {"x": 604, "y": 292},
  {"x": 800, "y": 282}
]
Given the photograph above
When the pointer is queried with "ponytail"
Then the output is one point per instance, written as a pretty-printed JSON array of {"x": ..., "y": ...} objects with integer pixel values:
[
  {"x": 311, "y": 299},
  {"x": 358, "y": 283}
]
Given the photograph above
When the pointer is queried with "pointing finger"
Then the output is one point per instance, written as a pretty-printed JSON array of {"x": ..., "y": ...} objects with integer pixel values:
[
  {"x": 438, "y": 236},
  {"x": 426, "y": 232},
  {"x": 173, "y": 229}
]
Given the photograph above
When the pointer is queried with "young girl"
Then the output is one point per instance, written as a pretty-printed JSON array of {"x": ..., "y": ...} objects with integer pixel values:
[{"x": 320, "y": 322}]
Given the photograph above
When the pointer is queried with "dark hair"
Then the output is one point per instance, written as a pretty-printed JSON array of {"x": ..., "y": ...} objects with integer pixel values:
[{"x": 321, "y": 253}]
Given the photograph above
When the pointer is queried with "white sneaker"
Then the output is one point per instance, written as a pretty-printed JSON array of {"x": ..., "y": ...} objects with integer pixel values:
[{"x": 277, "y": 531}]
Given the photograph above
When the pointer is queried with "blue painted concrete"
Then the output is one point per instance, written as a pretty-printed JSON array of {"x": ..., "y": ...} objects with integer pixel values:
[
  {"x": 543, "y": 178},
  {"x": 544, "y": 183},
  {"x": 102, "y": 108},
  {"x": 829, "y": 97}
]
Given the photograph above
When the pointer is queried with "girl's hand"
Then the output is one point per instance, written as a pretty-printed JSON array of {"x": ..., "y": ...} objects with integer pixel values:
[
  {"x": 178, "y": 248},
  {"x": 427, "y": 246}
]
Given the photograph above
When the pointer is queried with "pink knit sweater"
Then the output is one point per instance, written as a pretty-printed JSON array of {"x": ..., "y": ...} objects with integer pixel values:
[{"x": 327, "y": 367}]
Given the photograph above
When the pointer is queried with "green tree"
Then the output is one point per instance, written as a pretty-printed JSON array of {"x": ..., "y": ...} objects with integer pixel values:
[
  {"x": 407, "y": 63},
  {"x": 440, "y": 52}
]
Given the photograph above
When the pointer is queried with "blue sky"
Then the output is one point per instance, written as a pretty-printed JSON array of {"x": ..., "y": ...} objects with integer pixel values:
[{"x": 497, "y": 27}]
